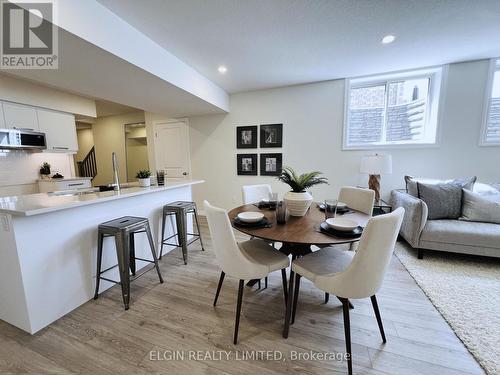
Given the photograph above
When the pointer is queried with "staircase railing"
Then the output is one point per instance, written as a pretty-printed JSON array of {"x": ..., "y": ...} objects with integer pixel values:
[{"x": 88, "y": 166}]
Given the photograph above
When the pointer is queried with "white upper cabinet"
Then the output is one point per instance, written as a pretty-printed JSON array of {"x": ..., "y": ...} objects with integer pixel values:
[
  {"x": 2, "y": 119},
  {"x": 59, "y": 129},
  {"x": 19, "y": 116}
]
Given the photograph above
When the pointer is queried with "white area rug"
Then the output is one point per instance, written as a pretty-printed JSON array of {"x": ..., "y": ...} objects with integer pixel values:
[{"x": 466, "y": 291}]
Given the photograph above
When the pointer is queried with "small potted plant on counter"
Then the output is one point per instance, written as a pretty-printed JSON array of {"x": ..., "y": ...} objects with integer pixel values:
[
  {"x": 298, "y": 200},
  {"x": 45, "y": 171},
  {"x": 144, "y": 177}
]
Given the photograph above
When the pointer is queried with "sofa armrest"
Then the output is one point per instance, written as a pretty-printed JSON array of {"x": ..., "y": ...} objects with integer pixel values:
[{"x": 415, "y": 216}]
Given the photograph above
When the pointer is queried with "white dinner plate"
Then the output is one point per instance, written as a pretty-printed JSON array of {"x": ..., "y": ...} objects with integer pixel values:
[
  {"x": 344, "y": 225},
  {"x": 250, "y": 217}
]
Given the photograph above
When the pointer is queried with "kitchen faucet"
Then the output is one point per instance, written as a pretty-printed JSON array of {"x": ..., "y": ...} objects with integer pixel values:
[{"x": 114, "y": 160}]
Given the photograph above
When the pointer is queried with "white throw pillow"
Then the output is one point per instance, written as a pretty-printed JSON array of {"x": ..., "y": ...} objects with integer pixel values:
[
  {"x": 482, "y": 208},
  {"x": 486, "y": 189}
]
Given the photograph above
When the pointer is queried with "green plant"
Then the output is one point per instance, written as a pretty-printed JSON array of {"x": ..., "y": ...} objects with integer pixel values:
[
  {"x": 300, "y": 183},
  {"x": 143, "y": 174},
  {"x": 45, "y": 168}
]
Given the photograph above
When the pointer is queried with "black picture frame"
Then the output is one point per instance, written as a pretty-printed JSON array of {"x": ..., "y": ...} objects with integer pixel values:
[
  {"x": 246, "y": 164},
  {"x": 271, "y": 135},
  {"x": 246, "y": 136},
  {"x": 271, "y": 164}
]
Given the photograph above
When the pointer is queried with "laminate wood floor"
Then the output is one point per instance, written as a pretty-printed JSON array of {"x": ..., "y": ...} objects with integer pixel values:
[{"x": 101, "y": 338}]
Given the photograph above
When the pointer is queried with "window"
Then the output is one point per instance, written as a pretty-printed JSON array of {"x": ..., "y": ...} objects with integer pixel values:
[
  {"x": 491, "y": 130},
  {"x": 391, "y": 110}
]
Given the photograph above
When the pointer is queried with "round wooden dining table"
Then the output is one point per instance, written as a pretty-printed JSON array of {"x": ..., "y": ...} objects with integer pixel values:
[{"x": 298, "y": 234}]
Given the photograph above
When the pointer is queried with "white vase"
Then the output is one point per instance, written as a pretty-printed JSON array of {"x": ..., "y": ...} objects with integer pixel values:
[
  {"x": 298, "y": 203},
  {"x": 145, "y": 182}
]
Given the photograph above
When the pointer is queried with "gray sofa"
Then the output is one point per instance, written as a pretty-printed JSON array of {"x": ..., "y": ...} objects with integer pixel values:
[{"x": 444, "y": 235}]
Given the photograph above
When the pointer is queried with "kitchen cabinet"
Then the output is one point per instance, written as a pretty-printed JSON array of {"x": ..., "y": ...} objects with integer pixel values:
[
  {"x": 59, "y": 129},
  {"x": 2, "y": 119},
  {"x": 19, "y": 116},
  {"x": 46, "y": 186}
]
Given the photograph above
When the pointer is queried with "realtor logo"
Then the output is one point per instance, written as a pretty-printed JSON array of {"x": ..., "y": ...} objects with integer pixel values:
[{"x": 29, "y": 37}]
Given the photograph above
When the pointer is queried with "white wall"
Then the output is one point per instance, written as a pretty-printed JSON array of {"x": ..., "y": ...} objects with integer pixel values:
[
  {"x": 19, "y": 170},
  {"x": 312, "y": 117},
  {"x": 21, "y": 91},
  {"x": 109, "y": 137}
]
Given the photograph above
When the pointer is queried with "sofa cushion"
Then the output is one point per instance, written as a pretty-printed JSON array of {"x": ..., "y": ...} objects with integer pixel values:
[
  {"x": 462, "y": 233},
  {"x": 484, "y": 208},
  {"x": 486, "y": 189},
  {"x": 411, "y": 183},
  {"x": 444, "y": 201}
]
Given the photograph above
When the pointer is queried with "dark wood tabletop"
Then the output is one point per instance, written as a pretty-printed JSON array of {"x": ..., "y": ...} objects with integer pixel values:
[{"x": 297, "y": 230}]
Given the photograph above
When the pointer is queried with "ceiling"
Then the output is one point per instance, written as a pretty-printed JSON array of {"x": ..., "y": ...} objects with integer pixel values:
[
  {"x": 107, "y": 108},
  {"x": 88, "y": 70},
  {"x": 284, "y": 42}
]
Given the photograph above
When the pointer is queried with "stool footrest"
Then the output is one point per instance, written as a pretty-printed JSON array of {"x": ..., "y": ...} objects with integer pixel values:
[{"x": 132, "y": 278}]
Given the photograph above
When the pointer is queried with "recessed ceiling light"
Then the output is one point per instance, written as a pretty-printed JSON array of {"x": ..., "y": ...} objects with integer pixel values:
[
  {"x": 388, "y": 39},
  {"x": 222, "y": 69}
]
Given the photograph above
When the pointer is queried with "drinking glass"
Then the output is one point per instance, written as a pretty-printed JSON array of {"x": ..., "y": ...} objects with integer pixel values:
[
  {"x": 273, "y": 200},
  {"x": 281, "y": 212},
  {"x": 160, "y": 177},
  {"x": 330, "y": 208}
]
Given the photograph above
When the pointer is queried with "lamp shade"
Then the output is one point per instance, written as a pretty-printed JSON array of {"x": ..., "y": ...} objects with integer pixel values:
[{"x": 376, "y": 164}]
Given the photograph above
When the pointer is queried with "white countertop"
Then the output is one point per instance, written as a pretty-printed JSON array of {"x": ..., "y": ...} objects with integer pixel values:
[{"x": 35, "y": 204}]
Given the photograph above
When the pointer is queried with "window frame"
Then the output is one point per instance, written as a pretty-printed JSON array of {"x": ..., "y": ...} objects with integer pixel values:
[
  {"x": 494, "y": 66},
  {"x": 436, "y": 76}
]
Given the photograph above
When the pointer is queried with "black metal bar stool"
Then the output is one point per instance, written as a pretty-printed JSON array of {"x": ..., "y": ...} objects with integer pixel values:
[
  {"x": 180, "y": 209},
  {"x": 123, "y": 230}
]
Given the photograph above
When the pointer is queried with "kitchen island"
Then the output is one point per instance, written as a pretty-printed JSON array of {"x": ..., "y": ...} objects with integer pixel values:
[{"x": 48, "y": 245}]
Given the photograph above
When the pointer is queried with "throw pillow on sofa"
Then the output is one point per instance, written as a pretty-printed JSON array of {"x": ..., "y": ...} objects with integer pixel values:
[
  {"x": 444, "y": 201},
  {"x": 411, "y": 183},
  {"x": 482, "y": 208}
]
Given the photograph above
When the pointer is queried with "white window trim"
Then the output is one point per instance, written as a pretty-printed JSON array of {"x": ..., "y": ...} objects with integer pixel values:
[
  {"x": 494, "y": 67},
  {"x": 438, "y": 75}
]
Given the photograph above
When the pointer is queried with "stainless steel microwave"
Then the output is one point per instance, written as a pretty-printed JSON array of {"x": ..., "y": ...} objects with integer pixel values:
[{"x": 16, "y": 139}]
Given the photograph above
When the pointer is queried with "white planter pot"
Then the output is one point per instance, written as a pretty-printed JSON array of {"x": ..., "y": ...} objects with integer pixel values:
[
  {"x": 145, "y": 182},
  {"x": 298, "y": 203}
]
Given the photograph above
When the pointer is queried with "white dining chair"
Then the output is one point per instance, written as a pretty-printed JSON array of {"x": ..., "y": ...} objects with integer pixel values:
[
  {"x": 358, "y": 199},
  {"x": 253, "y": 259},
  {"x": 255, "y": 193},
  {"x": 349, "y": 276}
]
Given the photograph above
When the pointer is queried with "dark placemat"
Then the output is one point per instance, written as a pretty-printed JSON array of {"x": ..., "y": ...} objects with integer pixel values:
[
  {"x": 338, "y": 233},
  {"x": 321, "y": 207},
  {"x": 264, "y": 223}
]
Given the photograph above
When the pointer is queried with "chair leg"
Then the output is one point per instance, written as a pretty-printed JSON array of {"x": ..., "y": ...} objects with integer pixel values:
[
  {"x": 327, "y": 297},
  {"x": 259, "y": 284},
  {"x": 100, "y": 237},
  {"x": 132, "y": 253},
  {"x": 420, "y": 253},
  {"x": 238, "y": 311},
  {"x": 283, "y": 279},
  {"x": 122, "y": 253},
  {"x": 295, "y": 297},
  {"x": 265, "y": 283},
  {"x": 198, "y": 228},
  {"x": 162, "y": 234},
  {"x": 221, "y": 280},
  {"x": 379, "y": 318},
  {"x": 182, "y": 234},
  {"x": 288, "y": 313},
  {"x": 348, "y": 302},
  {"x": 153, "y": 252},
  {"x": 347, "y": 332}
]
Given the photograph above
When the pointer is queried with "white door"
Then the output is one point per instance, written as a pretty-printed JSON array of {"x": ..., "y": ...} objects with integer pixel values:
[
  {"x": 172, "y": 149},
  {"x": 60, "y": 130},
  {"x": 20, "y": 117}
]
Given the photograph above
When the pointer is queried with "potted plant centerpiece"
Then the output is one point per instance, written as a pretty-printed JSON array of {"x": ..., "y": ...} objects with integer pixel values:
[
  {"x": 144, "y": 177},
  {"x": 45, "y": 170},
  {"x": 298, "y": 200}
]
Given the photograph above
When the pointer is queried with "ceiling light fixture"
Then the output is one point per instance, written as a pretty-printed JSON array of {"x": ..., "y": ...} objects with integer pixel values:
[
  {"x": 388, "y": 39},
  {"x": 222, "y": 69}
]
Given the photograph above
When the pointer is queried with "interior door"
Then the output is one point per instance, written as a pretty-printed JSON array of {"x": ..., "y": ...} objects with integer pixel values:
[{"x": 172, "y": 149}]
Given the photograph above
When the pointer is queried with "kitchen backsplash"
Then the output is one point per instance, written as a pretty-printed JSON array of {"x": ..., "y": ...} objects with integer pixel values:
[{"x": 19, "y": 170}]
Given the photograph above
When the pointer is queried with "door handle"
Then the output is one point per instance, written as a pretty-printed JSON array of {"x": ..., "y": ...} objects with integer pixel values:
[{"x": 184, "y": 173}]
